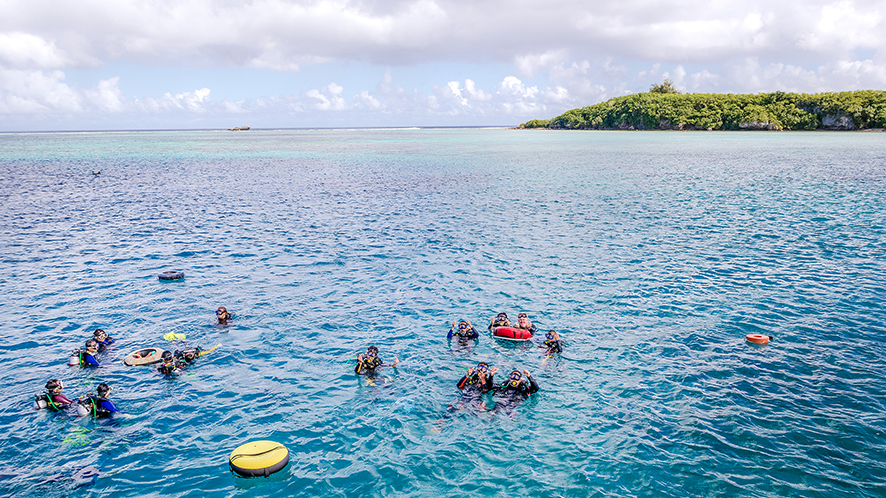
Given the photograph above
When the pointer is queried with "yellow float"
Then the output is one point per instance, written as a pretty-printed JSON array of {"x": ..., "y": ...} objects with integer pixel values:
[{"x": 259, "y": 458}]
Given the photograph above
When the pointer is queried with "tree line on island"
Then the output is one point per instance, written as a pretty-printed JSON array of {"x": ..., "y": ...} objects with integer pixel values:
[{"x": 665, "y": 108}]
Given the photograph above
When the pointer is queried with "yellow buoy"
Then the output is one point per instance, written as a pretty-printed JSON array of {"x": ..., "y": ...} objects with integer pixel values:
[{"x": 259, "y": 458}]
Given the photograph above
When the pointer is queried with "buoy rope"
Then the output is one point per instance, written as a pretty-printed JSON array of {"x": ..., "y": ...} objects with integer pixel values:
[{"x": 257, "y": 454}]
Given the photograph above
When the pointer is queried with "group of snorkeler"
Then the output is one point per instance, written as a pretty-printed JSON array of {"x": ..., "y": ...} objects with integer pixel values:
[
  {"x": 88, "y": 355},
  {"x": 466, "y": 331},
  {"x": 98, "y": 404},
  {"x": 176, "y": 363},
  {"x": 479, "y": 380}
]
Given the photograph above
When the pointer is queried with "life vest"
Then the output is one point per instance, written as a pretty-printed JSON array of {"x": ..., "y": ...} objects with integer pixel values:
[{"x": 368, "y": 365}]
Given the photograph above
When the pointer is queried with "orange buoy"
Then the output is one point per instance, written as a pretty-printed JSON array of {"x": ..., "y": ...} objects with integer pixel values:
[{"x": 758, "y": 338}]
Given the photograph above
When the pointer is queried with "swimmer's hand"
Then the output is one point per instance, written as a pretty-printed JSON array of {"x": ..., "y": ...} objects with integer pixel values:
[
  {"x": 396, "y": 361},
  {"x": 493, "y": 370}
]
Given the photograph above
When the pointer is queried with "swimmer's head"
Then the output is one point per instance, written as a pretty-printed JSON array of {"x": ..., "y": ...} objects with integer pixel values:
[
  {"x": 549, "y": 335},
  {"x": 372, "y": 351},
  {"x": 462, "y": 325},
  {"x": 100, "y": 335},
  {"x": 221, "y": 311},
  {"x": 483, "y": 366},
  {"x": 166, "y": 356},
  {"x": 189, "y": 355},
  {"x": 54, "y": 386},
  {"x": 501, "y": 315},
  {"x": 522, "y": 315},
  {"x": 103, "y": 390},
  {"x": 515, "y": 377},
  {"x": 91, "y": 345}
]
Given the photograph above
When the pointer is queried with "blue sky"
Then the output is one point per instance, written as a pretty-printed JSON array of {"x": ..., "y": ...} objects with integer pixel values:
[{"x": 172, "y": 64}]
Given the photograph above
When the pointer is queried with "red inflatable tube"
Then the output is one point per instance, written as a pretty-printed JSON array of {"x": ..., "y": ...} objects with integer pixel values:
[{"x": 511, "y": 334}]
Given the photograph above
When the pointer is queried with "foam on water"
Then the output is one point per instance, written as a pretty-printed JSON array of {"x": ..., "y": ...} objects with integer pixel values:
[{"x": 653, "y": 254}]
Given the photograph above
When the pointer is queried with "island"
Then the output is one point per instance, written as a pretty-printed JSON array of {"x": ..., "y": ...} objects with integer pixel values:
[
  {"x": 239, "y": 128},
  {"x": 664, "y": 108}
]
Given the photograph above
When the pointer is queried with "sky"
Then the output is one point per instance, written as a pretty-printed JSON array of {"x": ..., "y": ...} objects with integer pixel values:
[{"x": 200, "y": 64}]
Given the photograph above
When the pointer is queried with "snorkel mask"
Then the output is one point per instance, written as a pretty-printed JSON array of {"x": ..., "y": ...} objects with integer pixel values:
[
  {"x": 482, "y": 367},
  {"x": 91, "y": 345},
  {"x": 167, "y": 358},
  {"x": 462, "y": 325},
  {"x": 515, "y": 378},
  {"x": 372, "y": 352},
  {"x": 549, "y": 336},
  {"x": 100, "y": 335},
  {"x": 54, "y": 386}
]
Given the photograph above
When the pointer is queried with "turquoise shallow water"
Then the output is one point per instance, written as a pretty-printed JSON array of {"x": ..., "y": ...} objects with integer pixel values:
[{"x": 653, "y": 254}]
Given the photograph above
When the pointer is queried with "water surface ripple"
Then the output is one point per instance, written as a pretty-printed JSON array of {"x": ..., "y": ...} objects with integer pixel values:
[{"x": 653, "y": 254}]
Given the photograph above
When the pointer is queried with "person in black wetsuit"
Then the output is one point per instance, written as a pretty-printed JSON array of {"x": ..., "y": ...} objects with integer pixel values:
[
  {"x": 479, "y": 379},
  {"x": 500, "y": 320},
  {"x": 53, "y": 399},
  {"x": 552, "y": 343},
  {"x": 188, "y": 355},
  {"x": 102, "y": 339},
  {"x": 171, "y": 366},
  {"x": 514, "y": 391},
  {"x": 87, "y": 356},
  {"x": 368, "y": 363},
  {"x": 464, "y": 331},
  {"x": 97, "y": 405},
  {"x": 222, "y": 315}
]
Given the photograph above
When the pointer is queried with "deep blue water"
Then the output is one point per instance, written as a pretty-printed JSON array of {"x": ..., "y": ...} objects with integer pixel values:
[{"x": 653, "y": 254}]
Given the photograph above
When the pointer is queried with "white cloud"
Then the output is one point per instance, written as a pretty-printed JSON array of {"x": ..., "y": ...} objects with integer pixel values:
[
  {"x": 24, "y": 50},
  {"x": 366, "y": 101},
  {"x": 107, "y": 97},
  {"x": 287, "y": 35},
  {"x": 531, "y": 64},
  {"x": 36, "y": 92},
  {"x": 329, "y": 98}
]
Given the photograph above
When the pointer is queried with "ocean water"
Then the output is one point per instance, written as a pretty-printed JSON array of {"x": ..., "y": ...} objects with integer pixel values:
[{"x": 653, "y": 254}]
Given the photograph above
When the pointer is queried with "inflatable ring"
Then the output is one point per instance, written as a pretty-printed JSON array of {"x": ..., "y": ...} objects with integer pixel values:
[
  {"x": 259, "y": 458},
  {"x": 758, "y": 338},
  {"x": 147, "y": 356},
  {"x": 511, "y": 334},
  {"x": 171, "y": 275}
]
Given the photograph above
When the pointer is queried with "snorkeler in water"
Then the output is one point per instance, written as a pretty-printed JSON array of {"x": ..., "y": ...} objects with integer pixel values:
[
  {"x": 479, "y": 379},
  {"x": 223, "y": 316},
  {"x": 170, "y": 365},
  {"x": 524, "y": 324},
  {"x": 368, "y": 363},
  {"x": 500, "y": 320},
  {"x": 86, "y": 356},
  {"x": 514, "y": 391},
  {"x": 53, "y": 399},
  {"x": 552, "y": 343},
  {"x": 98, "y": 405},
  {"x": 464, "y": 331},
  {"x": 102, "y": 339}
]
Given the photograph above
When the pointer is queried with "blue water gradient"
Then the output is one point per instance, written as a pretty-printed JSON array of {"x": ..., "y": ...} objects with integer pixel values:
[{"x": 653, "y": 254}]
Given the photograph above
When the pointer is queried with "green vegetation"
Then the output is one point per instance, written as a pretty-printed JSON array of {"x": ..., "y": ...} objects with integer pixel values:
[
  {"x": 666, "y": 86},
  {"x": 663, "y": 108}
]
